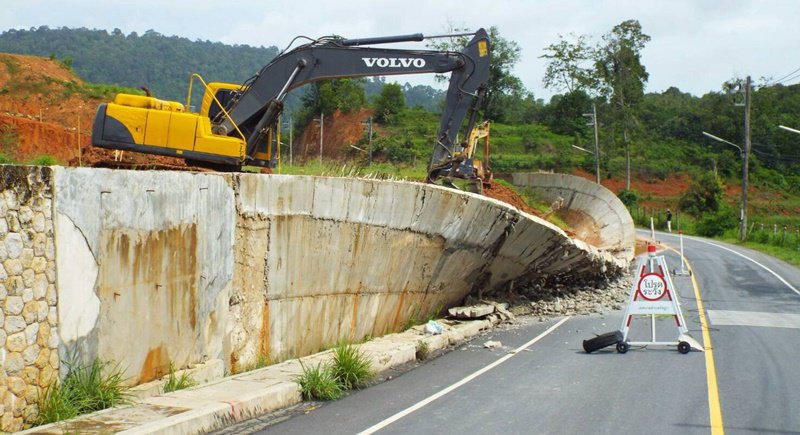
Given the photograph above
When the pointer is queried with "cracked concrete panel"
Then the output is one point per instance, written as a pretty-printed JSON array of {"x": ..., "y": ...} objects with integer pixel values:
[
  {"x": 597, "y": 215},
  {"x": 162, "y": 243},
  {"x": 79, "y": 306}
]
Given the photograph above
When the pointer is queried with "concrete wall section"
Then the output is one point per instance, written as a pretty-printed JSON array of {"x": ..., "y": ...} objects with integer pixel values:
[
  {"x": 349, "y": 258},
  {"x": 144, "y": 266},
  {"x": 609, "y": 227},
  {"x": 29, "y": 359}
]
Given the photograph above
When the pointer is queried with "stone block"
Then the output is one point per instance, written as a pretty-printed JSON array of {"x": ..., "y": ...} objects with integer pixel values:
[
  {"x": 39, "y": 223},
  {"x": 13, "y": 222},
  {"x": 39, "y": 265},
  {"x": 25, "y": 215},
  {"x": 55, "y": 362},
  {"x": 3, "y": 292},
  {"x": 30, "y": 375},
  {"x": 27, "y": 294},
  {"x": 52, "y": 316},
  {"x": 14, "y": 324},
  {"x": 16, "y": 342},
  {"x": 40, "y": 245},
  {"x": 13, "y": 243},
  {"x": 2, "y": 339},
  {"x": 27, "y": 258},
  {"x": 3, "y": 274},
  {"x": 30, "y": 354},
  {"x": 3, "y": 224},
  {"x": 42, "y": 308},
  {"x": 29, "y": 312},
  {"x": 40, "y": 284},
  {"x": 7, "y": 422},
  {"x": 51, "y": 271},
  {"x": 16, "y": 385},
  {"x": 13, "y": 267},
  {"x": 28, "y": 276},
  {"x": 46, "y": 376},
  {"x": 51, "y": 297},
  {"x": 11, "y": 200},
  {"x": 14, "y": 284},
  {"x": 3, "y": 251},
  {"x": 31, "y": 332},
  {"x": 43, "y": 360},
  {"x": 13, "y": 305},
  {"x": 50, "y": 249}
]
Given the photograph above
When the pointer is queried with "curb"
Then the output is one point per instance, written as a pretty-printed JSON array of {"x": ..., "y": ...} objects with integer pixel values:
[{"x": 213, "y": 406}]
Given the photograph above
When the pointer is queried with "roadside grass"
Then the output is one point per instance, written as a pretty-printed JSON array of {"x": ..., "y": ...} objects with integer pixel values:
[
  {"x": 788, "y": 254},
  {"x": 351, "y": 366},
  {"x": 44, "y": 160},
  {"x": 423, "y": 351},
  {"x": 319, "y": 383},
  {"x": 262, "y": 360},
  {"x": 175, "y": 383},
  {"x": 85, "y": 389},
  {"x": 348, "y": 369}
]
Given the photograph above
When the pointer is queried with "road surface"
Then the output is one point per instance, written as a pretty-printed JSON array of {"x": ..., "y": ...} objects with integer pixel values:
[{"x": 541, "y": 381}]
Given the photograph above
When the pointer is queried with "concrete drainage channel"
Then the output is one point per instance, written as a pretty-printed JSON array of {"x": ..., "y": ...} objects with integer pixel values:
[{"x": 213, "y": 271}]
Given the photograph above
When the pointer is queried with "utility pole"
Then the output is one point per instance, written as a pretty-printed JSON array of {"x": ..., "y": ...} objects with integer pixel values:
[
  {"x": 321, "y": 129},
  {"x": 746, "y": 160},
  {"x": 593, "y": 115},
  {"x": 290, "y": 140},
  {"x": 370, "y": 141}
]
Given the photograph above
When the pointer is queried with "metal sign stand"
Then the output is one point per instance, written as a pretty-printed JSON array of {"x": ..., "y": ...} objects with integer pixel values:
[
  {"x": 653, "y": 294},
  {"x": 682, "y": 271}
]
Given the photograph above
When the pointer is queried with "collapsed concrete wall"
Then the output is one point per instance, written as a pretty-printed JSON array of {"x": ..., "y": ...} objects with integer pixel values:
[
  {"x": 152, "y": 269},
  {"x": 594, "y": 211},
  {"x": 322, "y": 259}
]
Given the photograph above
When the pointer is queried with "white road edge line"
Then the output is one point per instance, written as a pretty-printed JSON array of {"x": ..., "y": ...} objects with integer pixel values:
[
  {"x": 748, "y": 258},
  {"x": 743, "y": 256},
  {"x": 452, "y": 387}
]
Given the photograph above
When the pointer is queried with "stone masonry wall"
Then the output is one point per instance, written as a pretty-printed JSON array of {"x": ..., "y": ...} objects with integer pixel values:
[{"x": 28, "y": 317}]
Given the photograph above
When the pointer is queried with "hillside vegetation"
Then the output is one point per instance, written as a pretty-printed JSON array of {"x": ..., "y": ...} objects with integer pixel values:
[{"x": 670, "y": 159}]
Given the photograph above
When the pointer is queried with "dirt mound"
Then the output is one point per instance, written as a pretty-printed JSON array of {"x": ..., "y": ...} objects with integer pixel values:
[
  {"x": 509, "y": 196},
  {"x": 339, "y": 132}
]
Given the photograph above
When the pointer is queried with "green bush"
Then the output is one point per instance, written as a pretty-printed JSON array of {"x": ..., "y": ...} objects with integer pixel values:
[
  {"x": 714, "y": 224},
  {"x": 628, "y": 197},
  {"x": 44, "y": 160}
]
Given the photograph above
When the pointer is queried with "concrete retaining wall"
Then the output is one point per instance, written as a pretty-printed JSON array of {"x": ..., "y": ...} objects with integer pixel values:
[
  {"x": 159, "y": 268},
  {"x": 609, "y": 227}
]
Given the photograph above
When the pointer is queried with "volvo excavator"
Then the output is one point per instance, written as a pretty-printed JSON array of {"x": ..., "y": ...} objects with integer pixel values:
[{"x": 237, "y": 124}]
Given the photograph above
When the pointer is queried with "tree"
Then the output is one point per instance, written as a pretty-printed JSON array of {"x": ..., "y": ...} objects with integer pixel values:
[
  {"x": 505, "y": 54},
  {"x": 329, "y": 96},
  {"x": 621, "y": 78},
  {"x": 390, "y": 102},
  {"x": 569, "y": 66}
]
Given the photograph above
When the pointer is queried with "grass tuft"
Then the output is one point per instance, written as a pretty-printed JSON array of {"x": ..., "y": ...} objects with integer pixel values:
[
  {"x": 423, "y": 350},
  {"x": 351, "y": 366},
  {"x": 85, "y": 389},
  {"x": 175, "y": 383},
  {"x": 319, "y": 383}
]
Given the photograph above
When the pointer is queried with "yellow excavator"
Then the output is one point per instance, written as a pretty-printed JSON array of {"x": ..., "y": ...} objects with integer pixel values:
[{"x": 237, "y": 124}]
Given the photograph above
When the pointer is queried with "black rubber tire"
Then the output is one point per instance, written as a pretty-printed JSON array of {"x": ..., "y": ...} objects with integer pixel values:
[
  {"x": 623, "y": 346},
  {"x": 684, "y": 347},
  {"x": 601, "y": 341}
]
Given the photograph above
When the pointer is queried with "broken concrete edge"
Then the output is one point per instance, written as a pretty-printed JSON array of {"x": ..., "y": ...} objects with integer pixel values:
[{"x": 386, "y": 352}]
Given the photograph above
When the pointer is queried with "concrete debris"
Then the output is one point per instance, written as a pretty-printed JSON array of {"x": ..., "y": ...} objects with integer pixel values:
[
  {"x": 471, "y": 312},
  {"x": 491, "y": 344}
]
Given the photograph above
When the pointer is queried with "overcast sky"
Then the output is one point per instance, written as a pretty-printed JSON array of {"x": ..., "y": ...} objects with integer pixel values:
[{"x": 696, "y": 45}]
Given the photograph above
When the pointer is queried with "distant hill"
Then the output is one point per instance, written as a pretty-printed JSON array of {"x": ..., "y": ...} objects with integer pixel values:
[{"x": 164, "y": 63}]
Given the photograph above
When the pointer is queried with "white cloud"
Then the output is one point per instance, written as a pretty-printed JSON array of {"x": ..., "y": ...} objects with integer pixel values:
[{"x": 696, "y": 45}]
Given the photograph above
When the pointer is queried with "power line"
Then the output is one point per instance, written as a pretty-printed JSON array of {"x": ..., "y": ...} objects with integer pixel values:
[{"x": 784, "y": 78}]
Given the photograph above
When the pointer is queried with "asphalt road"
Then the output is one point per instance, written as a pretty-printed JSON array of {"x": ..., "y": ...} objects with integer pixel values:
[{"x": 541, "y": 381}]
